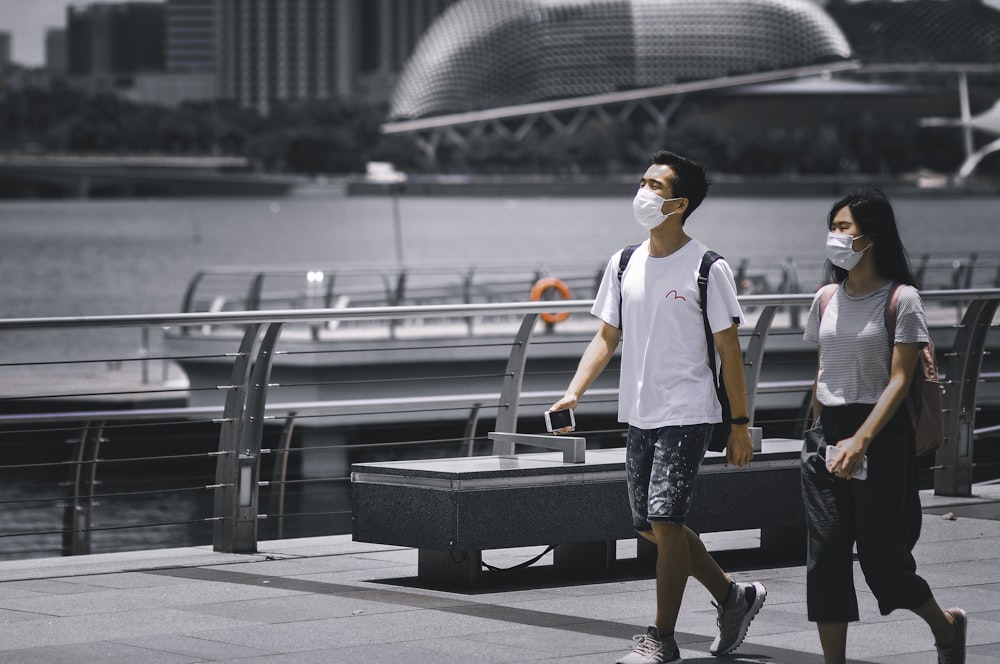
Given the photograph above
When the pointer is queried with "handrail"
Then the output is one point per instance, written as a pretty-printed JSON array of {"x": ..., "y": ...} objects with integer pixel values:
[
  {"x": 407, "y": 311},
  {"x": 247, "y": 406}
]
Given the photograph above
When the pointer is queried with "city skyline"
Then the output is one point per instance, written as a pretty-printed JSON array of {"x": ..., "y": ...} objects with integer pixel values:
[{"x": 27, "y": 21}]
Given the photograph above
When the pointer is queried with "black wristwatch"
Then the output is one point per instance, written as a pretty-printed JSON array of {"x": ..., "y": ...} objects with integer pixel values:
[{"x": 740, "y": 420}]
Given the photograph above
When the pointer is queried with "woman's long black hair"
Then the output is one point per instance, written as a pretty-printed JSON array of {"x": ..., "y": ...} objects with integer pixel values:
[{"x": 875, "y": 219}]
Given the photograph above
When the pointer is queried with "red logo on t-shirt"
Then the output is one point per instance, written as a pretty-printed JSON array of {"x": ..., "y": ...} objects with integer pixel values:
[{"x": 676, "y": 295}]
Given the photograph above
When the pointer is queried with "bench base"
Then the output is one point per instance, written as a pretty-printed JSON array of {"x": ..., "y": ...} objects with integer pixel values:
[
  {"x": 465, "y": 569},
  {"x": 453, "y": 509}
]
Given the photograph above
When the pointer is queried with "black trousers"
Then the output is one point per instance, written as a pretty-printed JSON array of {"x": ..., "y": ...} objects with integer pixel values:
[{"x": 881, "y": 514}]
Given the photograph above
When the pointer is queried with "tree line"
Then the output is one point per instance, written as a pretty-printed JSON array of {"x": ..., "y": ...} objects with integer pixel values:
[{"x": 339, "y": 136}]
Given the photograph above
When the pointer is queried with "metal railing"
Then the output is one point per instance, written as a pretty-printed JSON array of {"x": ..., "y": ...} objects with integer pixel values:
[{"x": 237, "y": 479}]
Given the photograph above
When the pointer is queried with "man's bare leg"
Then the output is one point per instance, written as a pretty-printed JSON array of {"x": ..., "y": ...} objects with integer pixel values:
[{"x": 673, "y": 566}]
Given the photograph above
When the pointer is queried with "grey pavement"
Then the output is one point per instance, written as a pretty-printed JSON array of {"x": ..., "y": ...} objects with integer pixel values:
[{"x": 329, "y": 599}]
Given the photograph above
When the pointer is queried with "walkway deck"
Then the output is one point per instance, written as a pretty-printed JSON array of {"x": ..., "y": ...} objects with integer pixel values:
[{"x": 332, "y": 600}]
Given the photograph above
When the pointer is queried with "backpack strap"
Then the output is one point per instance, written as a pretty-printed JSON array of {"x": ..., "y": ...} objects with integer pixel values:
[
  {"x": 826, "y": 294},
  {"x": 622, "y": 264},
  {"x": 707, "y": 260},
  {"x": 912, "y": 402},
  {"x": 891, "y": 305}
]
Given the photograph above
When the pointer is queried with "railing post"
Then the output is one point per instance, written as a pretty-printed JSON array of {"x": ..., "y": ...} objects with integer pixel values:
[
  {"x": 250, "y": 433},
  {"x": 754, "y": 356},
  {"x": 953, "y": 472},
  {"x": 510, "y": 393},
  {"x": 187, "y": 306},
  {"x": 78, "y": 514},
  {"x": 253, "y": 293},
  {"x": 227, "y": 471},
  {"x": 280, "y": 473}
]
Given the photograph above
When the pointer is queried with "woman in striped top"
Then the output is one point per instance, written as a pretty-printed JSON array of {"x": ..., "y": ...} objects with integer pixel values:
[{"x": 861, "y": 382}]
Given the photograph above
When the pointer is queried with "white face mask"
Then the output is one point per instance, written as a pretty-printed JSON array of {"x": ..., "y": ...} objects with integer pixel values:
[
  {"x": 646, "y": 208},
  {"x": 840, "y": 250}
]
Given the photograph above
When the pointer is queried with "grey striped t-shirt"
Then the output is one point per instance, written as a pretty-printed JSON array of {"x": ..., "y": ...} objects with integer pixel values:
[{"x": 855, "y": 355}]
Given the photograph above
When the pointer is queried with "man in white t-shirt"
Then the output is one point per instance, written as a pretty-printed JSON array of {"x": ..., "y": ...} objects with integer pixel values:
[{"x": 667, "y": 396}]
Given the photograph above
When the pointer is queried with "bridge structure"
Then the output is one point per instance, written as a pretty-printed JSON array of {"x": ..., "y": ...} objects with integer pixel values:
[{"x": 657, "y": 106}]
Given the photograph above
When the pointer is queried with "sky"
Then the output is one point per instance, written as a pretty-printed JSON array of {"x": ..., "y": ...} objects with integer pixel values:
[{"x": 27, "y": 21}]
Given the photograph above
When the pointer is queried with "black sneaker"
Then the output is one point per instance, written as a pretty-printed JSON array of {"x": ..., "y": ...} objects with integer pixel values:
[{"x": 954, "y": 652}]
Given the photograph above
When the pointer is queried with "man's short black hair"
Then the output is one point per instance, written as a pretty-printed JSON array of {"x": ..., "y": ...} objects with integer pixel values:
[{"x": 690, "y": 179}]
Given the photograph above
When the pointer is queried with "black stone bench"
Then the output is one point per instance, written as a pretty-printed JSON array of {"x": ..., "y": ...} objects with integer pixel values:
[{"x": 451, "y": 510}]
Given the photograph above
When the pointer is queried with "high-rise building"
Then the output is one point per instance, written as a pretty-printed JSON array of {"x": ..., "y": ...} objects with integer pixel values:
[
  {"x": 286, "y": 50},
  {"x": 55, "y": 51},
  {"x": 113, "y": 39},
  {"x": 191, "y": 36},
  {"x": 6, "y": 42}
]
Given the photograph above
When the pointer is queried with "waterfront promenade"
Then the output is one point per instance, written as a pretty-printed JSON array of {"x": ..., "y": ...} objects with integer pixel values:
[{"x": 328, "y": 599}]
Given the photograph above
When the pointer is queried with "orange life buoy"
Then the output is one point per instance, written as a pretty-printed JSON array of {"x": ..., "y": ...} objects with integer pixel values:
[{"x": 548, "y": 283}]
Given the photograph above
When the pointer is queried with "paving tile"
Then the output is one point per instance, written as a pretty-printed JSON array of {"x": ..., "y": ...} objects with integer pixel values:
[
  {"x": 317, "y": 565},
  {"x": 352, "y": 631},
  {"x": 192, "y": 646},
  {"x": 106, "y": 627},
  {"x": 123, "y": 580},
  {"x": 553, "y": 641},
  {"x": 294, "y": 608},
  {"x": 102, "y": 653},
  {"x": 475, "y": 651},
  {"x": 8, "y": 616},
  {"x": 138, "y": 599},
  {"x": 47, "y": 587}
]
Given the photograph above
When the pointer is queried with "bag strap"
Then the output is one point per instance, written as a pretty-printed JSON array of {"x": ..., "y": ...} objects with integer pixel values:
[
  {"x": 622, "y": 264},
  {"x": 825, "y": 295},
  {"x": 707, "y": 260},
  {"x": 912, "y": 401},
  {"x": 891, "y": 304}
]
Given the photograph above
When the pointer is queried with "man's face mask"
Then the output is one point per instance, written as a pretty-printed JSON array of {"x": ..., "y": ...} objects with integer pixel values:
[{"x": 646, "y": 208}]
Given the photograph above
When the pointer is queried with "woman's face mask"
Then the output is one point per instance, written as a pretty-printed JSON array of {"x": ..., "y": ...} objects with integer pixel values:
[
  {"x": 840, "y": 250},
  {"x": 646, "y": 208}
]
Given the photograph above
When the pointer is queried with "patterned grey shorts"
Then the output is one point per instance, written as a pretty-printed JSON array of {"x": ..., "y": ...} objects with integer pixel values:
[{"x": 660, "y": 468}]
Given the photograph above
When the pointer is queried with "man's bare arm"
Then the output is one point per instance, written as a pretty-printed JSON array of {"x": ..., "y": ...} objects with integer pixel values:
[
  {"x": 595, "y": 358},
  {"x": 739, "y": 448}
]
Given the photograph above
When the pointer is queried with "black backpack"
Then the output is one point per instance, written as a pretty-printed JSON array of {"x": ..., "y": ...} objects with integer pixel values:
[{"x": 720, "y": 432}]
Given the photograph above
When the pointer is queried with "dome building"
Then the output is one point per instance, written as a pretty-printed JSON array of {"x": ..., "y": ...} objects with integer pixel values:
[{"x": 483, "y": 54}]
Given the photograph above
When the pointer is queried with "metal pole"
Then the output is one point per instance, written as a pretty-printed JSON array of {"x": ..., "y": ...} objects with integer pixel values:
[
  {"x": 396, "y": 222},
  {"x": 963, "y": 100}
]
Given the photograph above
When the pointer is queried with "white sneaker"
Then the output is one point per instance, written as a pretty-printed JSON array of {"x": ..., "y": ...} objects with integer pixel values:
[
  {"x": 735, "y": 616},
  {"x": 652, "y": 649}
]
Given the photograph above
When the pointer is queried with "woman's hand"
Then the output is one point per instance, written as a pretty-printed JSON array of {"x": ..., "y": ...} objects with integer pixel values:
[{"x": 850, "y": 455}]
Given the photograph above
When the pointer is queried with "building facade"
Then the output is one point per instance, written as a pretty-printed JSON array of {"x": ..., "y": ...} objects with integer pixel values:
[
  {"x": 293, "y": 50},
  {"x": 6, "y": 44},
  {"x": 115, "y": 39},
  {"x": 192, "y": 35},
  {"x": 55, "y": 51}
]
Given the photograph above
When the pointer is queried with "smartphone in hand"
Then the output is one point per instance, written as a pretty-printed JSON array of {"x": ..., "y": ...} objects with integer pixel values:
[
  {"x": 860, "y": 474},
  {"x": 559, "y": 419}
]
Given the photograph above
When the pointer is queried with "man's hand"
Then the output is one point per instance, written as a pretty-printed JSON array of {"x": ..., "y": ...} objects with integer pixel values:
[
  {"x": 739, "y": 447},
  {"x": 567, "y": 401}
]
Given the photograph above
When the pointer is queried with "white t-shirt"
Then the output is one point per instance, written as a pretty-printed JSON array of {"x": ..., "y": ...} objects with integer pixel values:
[
  {"x": 665, "y": 377},
  {"x": 855, "y": 354}
]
